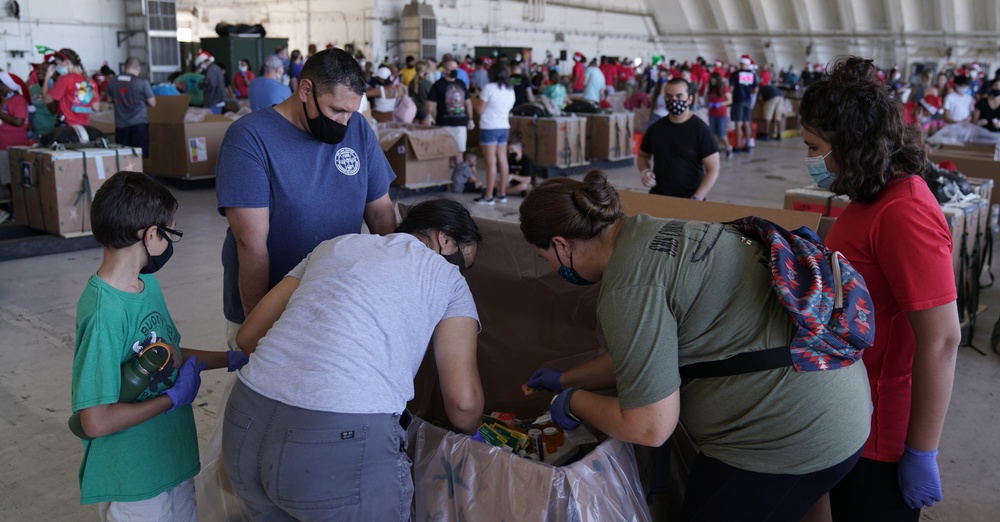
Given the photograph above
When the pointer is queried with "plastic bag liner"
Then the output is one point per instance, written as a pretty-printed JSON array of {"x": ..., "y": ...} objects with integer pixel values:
[
  {"x": 457, "y": 478},
  {"x": 530, "y": 317},
  {"x": 962, "y": 133}
]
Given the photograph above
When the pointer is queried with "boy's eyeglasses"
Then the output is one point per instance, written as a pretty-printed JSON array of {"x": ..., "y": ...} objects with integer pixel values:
[{"x": 170, "y": 234}]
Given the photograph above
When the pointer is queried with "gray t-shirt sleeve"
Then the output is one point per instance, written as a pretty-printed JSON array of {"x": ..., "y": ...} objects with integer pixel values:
[
  {"x": 461, "y": 303},
  {"x": 147, "y": 90},
  {"x": 300, "y": 269}
]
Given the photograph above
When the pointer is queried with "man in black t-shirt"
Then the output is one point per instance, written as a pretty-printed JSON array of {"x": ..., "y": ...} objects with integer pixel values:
[
  {"x": 449, "y": 107},
  {"x": 522, "y": 87},
  {"x": 684, "y": 153}
]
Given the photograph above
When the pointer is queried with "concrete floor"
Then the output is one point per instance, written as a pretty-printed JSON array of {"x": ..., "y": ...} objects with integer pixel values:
[{"x": 39, "y": 458}]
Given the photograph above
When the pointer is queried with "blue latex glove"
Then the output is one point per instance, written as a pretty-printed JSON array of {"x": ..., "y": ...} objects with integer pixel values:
[
  {"x": 546, "y": 379},
  {"x": 185, "y": 388},
  {"x": 562, "y": 415},
  {"x": 478, "y": 437},
  {"x": 919, "y": 478},
  {"x": 236, "y": 359}
]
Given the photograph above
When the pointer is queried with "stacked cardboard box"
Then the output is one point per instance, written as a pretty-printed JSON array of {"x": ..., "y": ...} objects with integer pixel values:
[
  {"x": 418, "y": 155},
  {"x": 815, "y": 199},
  {"x": 609, "y": 136},
  {"x": 553, "y": 142},
  {"x": 53, "y": 190},
  {"x": 179, "y": 148}
]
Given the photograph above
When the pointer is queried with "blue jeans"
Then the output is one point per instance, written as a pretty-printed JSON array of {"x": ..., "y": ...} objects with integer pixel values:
[
  {"x": 718, "y": 125},
  {"x": 493, "y": 136},
  {"x": 289, "y": 463}
]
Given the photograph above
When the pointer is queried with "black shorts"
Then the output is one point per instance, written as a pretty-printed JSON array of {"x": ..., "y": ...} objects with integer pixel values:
[
  {"x": 134, "y": 136},
  {"x": 871, "y": 491}
]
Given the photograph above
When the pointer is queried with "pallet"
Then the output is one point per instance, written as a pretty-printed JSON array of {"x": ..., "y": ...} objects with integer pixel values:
[{"x": 18, "y": 241}]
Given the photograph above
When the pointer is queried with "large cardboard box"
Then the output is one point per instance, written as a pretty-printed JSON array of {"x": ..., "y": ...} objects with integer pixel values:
[
  {"x": 670, "y": 207},
  {"x": 53, "y": 190},
  {"x": 181, "y": 149},
  {"x": 609, "y": 136},
  {"x": 815, "y": 199},
  {"x": 418, "y": 155},
  {"x": 972, "y": 163},
  {"x": 553, "y": 142}
]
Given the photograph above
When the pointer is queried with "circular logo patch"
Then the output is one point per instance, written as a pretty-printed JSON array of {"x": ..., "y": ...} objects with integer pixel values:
[{"x": 347, "y": 161}]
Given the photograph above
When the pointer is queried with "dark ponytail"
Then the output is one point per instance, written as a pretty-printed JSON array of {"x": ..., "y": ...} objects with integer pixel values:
[{"x": 569, "y": 208}]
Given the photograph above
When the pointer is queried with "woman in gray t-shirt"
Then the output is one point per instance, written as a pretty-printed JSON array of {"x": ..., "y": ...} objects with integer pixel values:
[{"x": 316, "y": 424}]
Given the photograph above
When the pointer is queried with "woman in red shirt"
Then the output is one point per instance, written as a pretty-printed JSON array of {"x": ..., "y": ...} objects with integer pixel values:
[
  {"x": 242, "y": 79},
  {"x": 13, "y": 113},
  {"x": 74, "y": 91},
  {"x": 895, "y": 234},
  {"x": 719, "y": 99}
]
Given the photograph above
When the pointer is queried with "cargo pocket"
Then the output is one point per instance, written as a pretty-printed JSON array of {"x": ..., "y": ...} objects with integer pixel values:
[
  {"x": 321, "y": 469},
  {"x": 234, "y": 432}
]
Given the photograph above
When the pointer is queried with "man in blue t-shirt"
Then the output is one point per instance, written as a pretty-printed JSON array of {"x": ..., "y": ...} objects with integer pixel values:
[
  {"x": 744, "y": 85},
  {"x": 291, "y": 176},
  {"x": 267, "y": 90}
]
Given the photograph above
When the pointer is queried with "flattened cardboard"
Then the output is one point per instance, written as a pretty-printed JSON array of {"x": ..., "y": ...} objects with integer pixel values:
[
  {"x": 669, "y": 207},
  {"x": 815, "y": 199},
  {"x": 418, "y": 155},
  {"x": 609, "y": 136},
  {"x": 171, "y": 140},
  {"x": 553, "y": 142},
  {"x": 49, "y": 189}
]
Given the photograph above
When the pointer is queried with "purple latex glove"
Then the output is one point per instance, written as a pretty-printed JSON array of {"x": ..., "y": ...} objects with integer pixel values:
[
  {"x": 185, "y": 388},
  {"x": 478, "y": 437},
  {"x": 919, "y": 478},
  {"x": 236, "y": 359},
  {"x": 546, "y": 379},
  {"x": 562, "y": 415}
]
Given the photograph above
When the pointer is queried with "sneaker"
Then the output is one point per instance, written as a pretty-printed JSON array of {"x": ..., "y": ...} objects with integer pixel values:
[
  {"x": 777, "y": 137},
  {"x": 501, "y": 198},
  {"x": 729, "y": 153},
  {"x": 483, "y": 200},
  {"x": 751, "y": 143}
]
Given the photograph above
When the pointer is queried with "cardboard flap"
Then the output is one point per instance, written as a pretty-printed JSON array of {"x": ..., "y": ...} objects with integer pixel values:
[
  {"x": 425, "y": 142},
  {"x": 168, "y": 109},
  {"x": 712, "y": 212}
]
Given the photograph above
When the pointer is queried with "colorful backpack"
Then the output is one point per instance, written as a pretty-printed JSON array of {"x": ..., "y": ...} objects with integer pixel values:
[{"x": 824, "y": 296}]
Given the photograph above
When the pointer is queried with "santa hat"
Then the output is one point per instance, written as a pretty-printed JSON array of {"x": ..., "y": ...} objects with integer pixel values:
[
  {"x": 487, "y": 61},
  {"x": 931, "y": 103},
  {"x": 745, "y": 60},
  {"x": 203, "y": 57},
  {"x": 948, "y": 165},
  {"x": 578, "y": 56},
  {"x": 719, "y": 63},
  {"x": 9, "y": 82}
]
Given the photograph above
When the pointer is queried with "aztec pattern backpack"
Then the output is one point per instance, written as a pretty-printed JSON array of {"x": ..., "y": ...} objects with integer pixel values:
[{"x": 824, "y": 296}]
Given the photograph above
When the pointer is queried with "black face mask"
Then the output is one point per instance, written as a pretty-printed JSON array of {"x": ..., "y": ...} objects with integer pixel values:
[
  {"x": 322, "y": 128},
  {"x": 457, "y": 259},
  {"x": 995, "y": 93},
  {"x": 453, "y": 73},
  {"x": 156, "y": 262}
]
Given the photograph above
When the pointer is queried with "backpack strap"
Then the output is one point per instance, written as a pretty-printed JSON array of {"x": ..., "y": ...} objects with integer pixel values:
[{"x": 745, "y": 362}]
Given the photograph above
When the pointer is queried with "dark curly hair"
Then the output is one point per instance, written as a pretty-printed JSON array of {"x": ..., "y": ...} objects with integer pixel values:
[{"x": 853, "y": 111}]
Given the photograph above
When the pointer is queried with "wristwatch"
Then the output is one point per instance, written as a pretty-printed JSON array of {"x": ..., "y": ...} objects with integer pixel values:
[{"x": 697, "y": 198}]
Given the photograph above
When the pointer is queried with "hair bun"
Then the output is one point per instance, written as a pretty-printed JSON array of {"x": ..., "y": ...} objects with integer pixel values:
[{"x": 597, "y": 198}]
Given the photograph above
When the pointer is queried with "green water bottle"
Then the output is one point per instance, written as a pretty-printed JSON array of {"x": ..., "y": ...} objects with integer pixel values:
[{"x": 136, "y": 376}]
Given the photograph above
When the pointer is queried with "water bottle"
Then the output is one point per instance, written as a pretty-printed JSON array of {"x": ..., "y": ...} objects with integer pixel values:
[{"x": 136, "y": 373}]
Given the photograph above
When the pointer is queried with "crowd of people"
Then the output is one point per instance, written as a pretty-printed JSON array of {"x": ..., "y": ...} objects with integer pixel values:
[{"x": 300, "y": 174}]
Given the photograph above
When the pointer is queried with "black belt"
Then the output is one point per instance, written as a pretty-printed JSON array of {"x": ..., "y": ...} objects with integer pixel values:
[{"x": 746, "y": 362}]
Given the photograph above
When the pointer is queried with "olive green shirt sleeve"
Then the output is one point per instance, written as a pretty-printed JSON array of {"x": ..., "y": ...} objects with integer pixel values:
[{"x": 641, "y": 333}]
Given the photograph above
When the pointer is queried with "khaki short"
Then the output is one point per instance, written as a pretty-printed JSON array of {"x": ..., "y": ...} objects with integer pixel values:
[{"x": 773, "y": 108}]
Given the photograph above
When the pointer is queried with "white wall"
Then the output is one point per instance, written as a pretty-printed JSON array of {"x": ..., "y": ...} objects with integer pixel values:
[{"x": 89, "y": 27}]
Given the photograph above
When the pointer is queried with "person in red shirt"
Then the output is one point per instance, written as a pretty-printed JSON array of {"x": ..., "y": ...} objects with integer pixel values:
[
  {"x": 894, "y": 233},
  {"x": 765, "y": 76},
  {"x": 242, "y": 79},
  {"x": 75, "y": 93},
  {"x": 578, "y": 72},
  {"x": 608, "y": 68},
  {"x": 13, "y": 114}
]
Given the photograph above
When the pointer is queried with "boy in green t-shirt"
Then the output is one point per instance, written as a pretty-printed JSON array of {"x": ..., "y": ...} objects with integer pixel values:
[{"x": 144, "y": 455}]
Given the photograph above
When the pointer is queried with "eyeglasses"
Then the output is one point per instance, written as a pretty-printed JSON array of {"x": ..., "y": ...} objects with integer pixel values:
[{"x": 170, "y": 234}]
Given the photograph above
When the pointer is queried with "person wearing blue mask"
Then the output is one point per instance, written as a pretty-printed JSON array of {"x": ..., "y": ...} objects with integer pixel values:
[
  {"x": 959, "y": 104},
  {"x": 894, "y": 234},
  {"x": 674, "y": 293},
  {"x": 293, "y": 175}
]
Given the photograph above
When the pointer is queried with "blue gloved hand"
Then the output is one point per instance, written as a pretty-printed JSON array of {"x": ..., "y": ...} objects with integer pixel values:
[
  {"x": 236, "y": 359},
  {"x": 562, "y": 415},
  {"x": 185, "y": 388},
  {"x": 919, "y": 478},
  {"x": 546, "y": 379},
  {"x": 478, "y": 437}
]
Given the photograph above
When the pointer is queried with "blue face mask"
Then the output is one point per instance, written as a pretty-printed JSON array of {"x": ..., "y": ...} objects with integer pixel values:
[
  {"x": 816, "y": 166},
  {"x": 62, "y": 70},
  {"x": 569, "y": 273}
]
